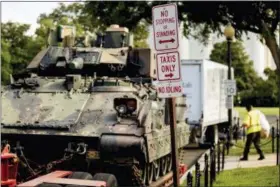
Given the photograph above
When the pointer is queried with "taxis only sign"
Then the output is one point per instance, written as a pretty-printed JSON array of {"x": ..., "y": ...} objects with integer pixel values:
[{"x": 168, "y": 66}]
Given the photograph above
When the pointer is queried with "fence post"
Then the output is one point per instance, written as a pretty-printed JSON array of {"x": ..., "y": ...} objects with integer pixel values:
[
  {"x": 273, "y": 138},
  {"x": 238, "y": 128},
  {"x": 211, "y": 166},
  {"x": 238, "y": 121},
  {"x": 223, "y": 156},
  {"x": 214, "y": 164},
  {"x": 189, "y": 179},
  {"x": 197, "y": 174},
  {"x": 219, "y": 155},
  {"x": 277, "y": 142},
  {"x": 235, "y": 132},
  {"x": 277, "y": 148},
  {"x": 228, "y": 143},
  {"x": 206, "y": 172},
  {"x": 243, "y": 133}
]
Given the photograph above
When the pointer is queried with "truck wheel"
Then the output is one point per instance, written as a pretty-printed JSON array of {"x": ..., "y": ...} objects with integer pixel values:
[
  {"x": 48, "y": 185},
  {"x": 211, "y": 137},
  {"x": 212, "y": 134},
  {"x": 79, "y": 175},
  {"x": 110, "y": 179}
]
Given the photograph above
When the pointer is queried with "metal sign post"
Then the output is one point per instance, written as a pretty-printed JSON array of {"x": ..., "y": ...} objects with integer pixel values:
[
  {"x": 165, "y": 25},
  {"x": 174, "y": 149}
]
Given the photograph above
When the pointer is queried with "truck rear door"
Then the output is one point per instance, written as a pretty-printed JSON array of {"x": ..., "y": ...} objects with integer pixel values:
[{"x": 191, "y": 76}]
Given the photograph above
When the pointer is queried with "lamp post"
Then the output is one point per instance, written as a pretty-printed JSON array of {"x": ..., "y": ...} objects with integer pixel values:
[{"x": 229, "y": 33}]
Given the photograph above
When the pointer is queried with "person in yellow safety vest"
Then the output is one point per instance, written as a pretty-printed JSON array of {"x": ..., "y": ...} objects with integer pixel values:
[{"x": 252, "y": 124}]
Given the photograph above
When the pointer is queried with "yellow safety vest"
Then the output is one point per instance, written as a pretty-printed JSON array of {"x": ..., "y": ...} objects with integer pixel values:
[{"x": 252, "y": 119}]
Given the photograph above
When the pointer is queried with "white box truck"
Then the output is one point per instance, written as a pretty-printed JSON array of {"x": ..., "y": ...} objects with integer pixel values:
[{"x": 205, "y": 98}]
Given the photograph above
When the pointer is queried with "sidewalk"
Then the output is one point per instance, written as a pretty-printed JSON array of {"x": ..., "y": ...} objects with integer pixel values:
[{"x": 232, "y": 162}]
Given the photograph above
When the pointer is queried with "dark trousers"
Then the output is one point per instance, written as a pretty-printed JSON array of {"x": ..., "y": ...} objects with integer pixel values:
[{"x": 255, "y": 138}]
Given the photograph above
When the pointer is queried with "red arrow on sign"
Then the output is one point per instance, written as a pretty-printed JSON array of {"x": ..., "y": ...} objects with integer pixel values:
[
  {"x": 167, "y": 41},
  {"x": 169, "y": 75}
]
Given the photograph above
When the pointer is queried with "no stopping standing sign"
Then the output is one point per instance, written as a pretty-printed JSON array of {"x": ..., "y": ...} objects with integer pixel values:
[{"x": 165, "y": 24}]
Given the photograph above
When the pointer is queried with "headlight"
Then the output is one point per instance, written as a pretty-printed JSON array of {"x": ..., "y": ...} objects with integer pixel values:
[
  {"x": 125, "y": 106},
  {"x": 131, "y": 105},
  {"x": 122, "y": 109}
]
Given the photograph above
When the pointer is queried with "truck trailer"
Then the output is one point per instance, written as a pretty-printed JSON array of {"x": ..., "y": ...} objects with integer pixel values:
[{"x": 203, "y": 85}]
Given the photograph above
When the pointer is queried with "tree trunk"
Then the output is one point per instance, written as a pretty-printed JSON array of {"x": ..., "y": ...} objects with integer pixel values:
[
  {"x": 274, "y": 49},
  {"x": 270, "y": 41}
]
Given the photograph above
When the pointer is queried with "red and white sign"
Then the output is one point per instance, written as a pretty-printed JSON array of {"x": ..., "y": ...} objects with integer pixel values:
[
  {"x": 168, "y": 66},
  {"x": 165, "y": 24},
  {"x": 172, "y": 89}
]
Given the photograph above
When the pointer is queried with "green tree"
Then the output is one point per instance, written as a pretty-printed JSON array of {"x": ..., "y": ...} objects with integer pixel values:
[
  {"x": 140, "y": 34},
  {"x": 261, "y": 18},
  {"x": 245, "y": 75},
  {"x": 125, "y": 14},
  {"x": 273, "y": 83},
  {"x": 72, "y": 15},
  {"x": 18, "y": 47},
  {"x": 5, "y": 62},
  {"x": 77, "y": 15}
]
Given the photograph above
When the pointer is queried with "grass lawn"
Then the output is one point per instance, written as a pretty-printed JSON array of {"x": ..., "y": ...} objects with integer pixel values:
[
  {"x": 238, "y": 149},
  {"x": 262, "y": 176},
  {"x": 266, "y": 110}
]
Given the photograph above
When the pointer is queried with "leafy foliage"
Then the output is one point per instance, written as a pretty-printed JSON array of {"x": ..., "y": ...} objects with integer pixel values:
[
  {"x": 266, "y": 91},
  {"x": 244, "y": 72},
  {"x": 78, "y": 15},
  {"x": 204, "y": 17},
  {"x": 13, "y": 34},
  {"x": 5, "y": 62},
  {"x": 141, "y": 34},
  {"x": 17, "y": 48},
  {"x": 250, "y": 87},
  {"x": 72, "y": 15},
  {"x": 127, "y": 14}
]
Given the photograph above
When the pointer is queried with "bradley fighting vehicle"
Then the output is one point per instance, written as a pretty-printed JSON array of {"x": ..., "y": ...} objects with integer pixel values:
[{"x": 90, "y": 106}]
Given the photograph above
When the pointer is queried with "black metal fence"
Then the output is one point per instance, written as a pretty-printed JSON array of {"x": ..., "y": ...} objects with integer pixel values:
[
  {"x": 278, "y": 142},
  {"x": 213, "y": 164}
]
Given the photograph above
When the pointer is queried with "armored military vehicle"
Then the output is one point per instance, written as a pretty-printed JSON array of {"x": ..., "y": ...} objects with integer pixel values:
[{"x": 90, "y": 107}]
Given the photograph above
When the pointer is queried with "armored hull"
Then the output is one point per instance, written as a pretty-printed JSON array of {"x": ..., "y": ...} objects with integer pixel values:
[
  {"x": 48, "y": 119},
  {"x": 69, "y": 115}
]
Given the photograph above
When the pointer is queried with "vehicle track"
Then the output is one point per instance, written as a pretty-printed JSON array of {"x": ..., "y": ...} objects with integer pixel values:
[{"x": 188, "y": 157}]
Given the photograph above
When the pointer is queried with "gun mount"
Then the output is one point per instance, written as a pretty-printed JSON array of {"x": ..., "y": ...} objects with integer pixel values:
[{"x": 112, "y": 54}]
